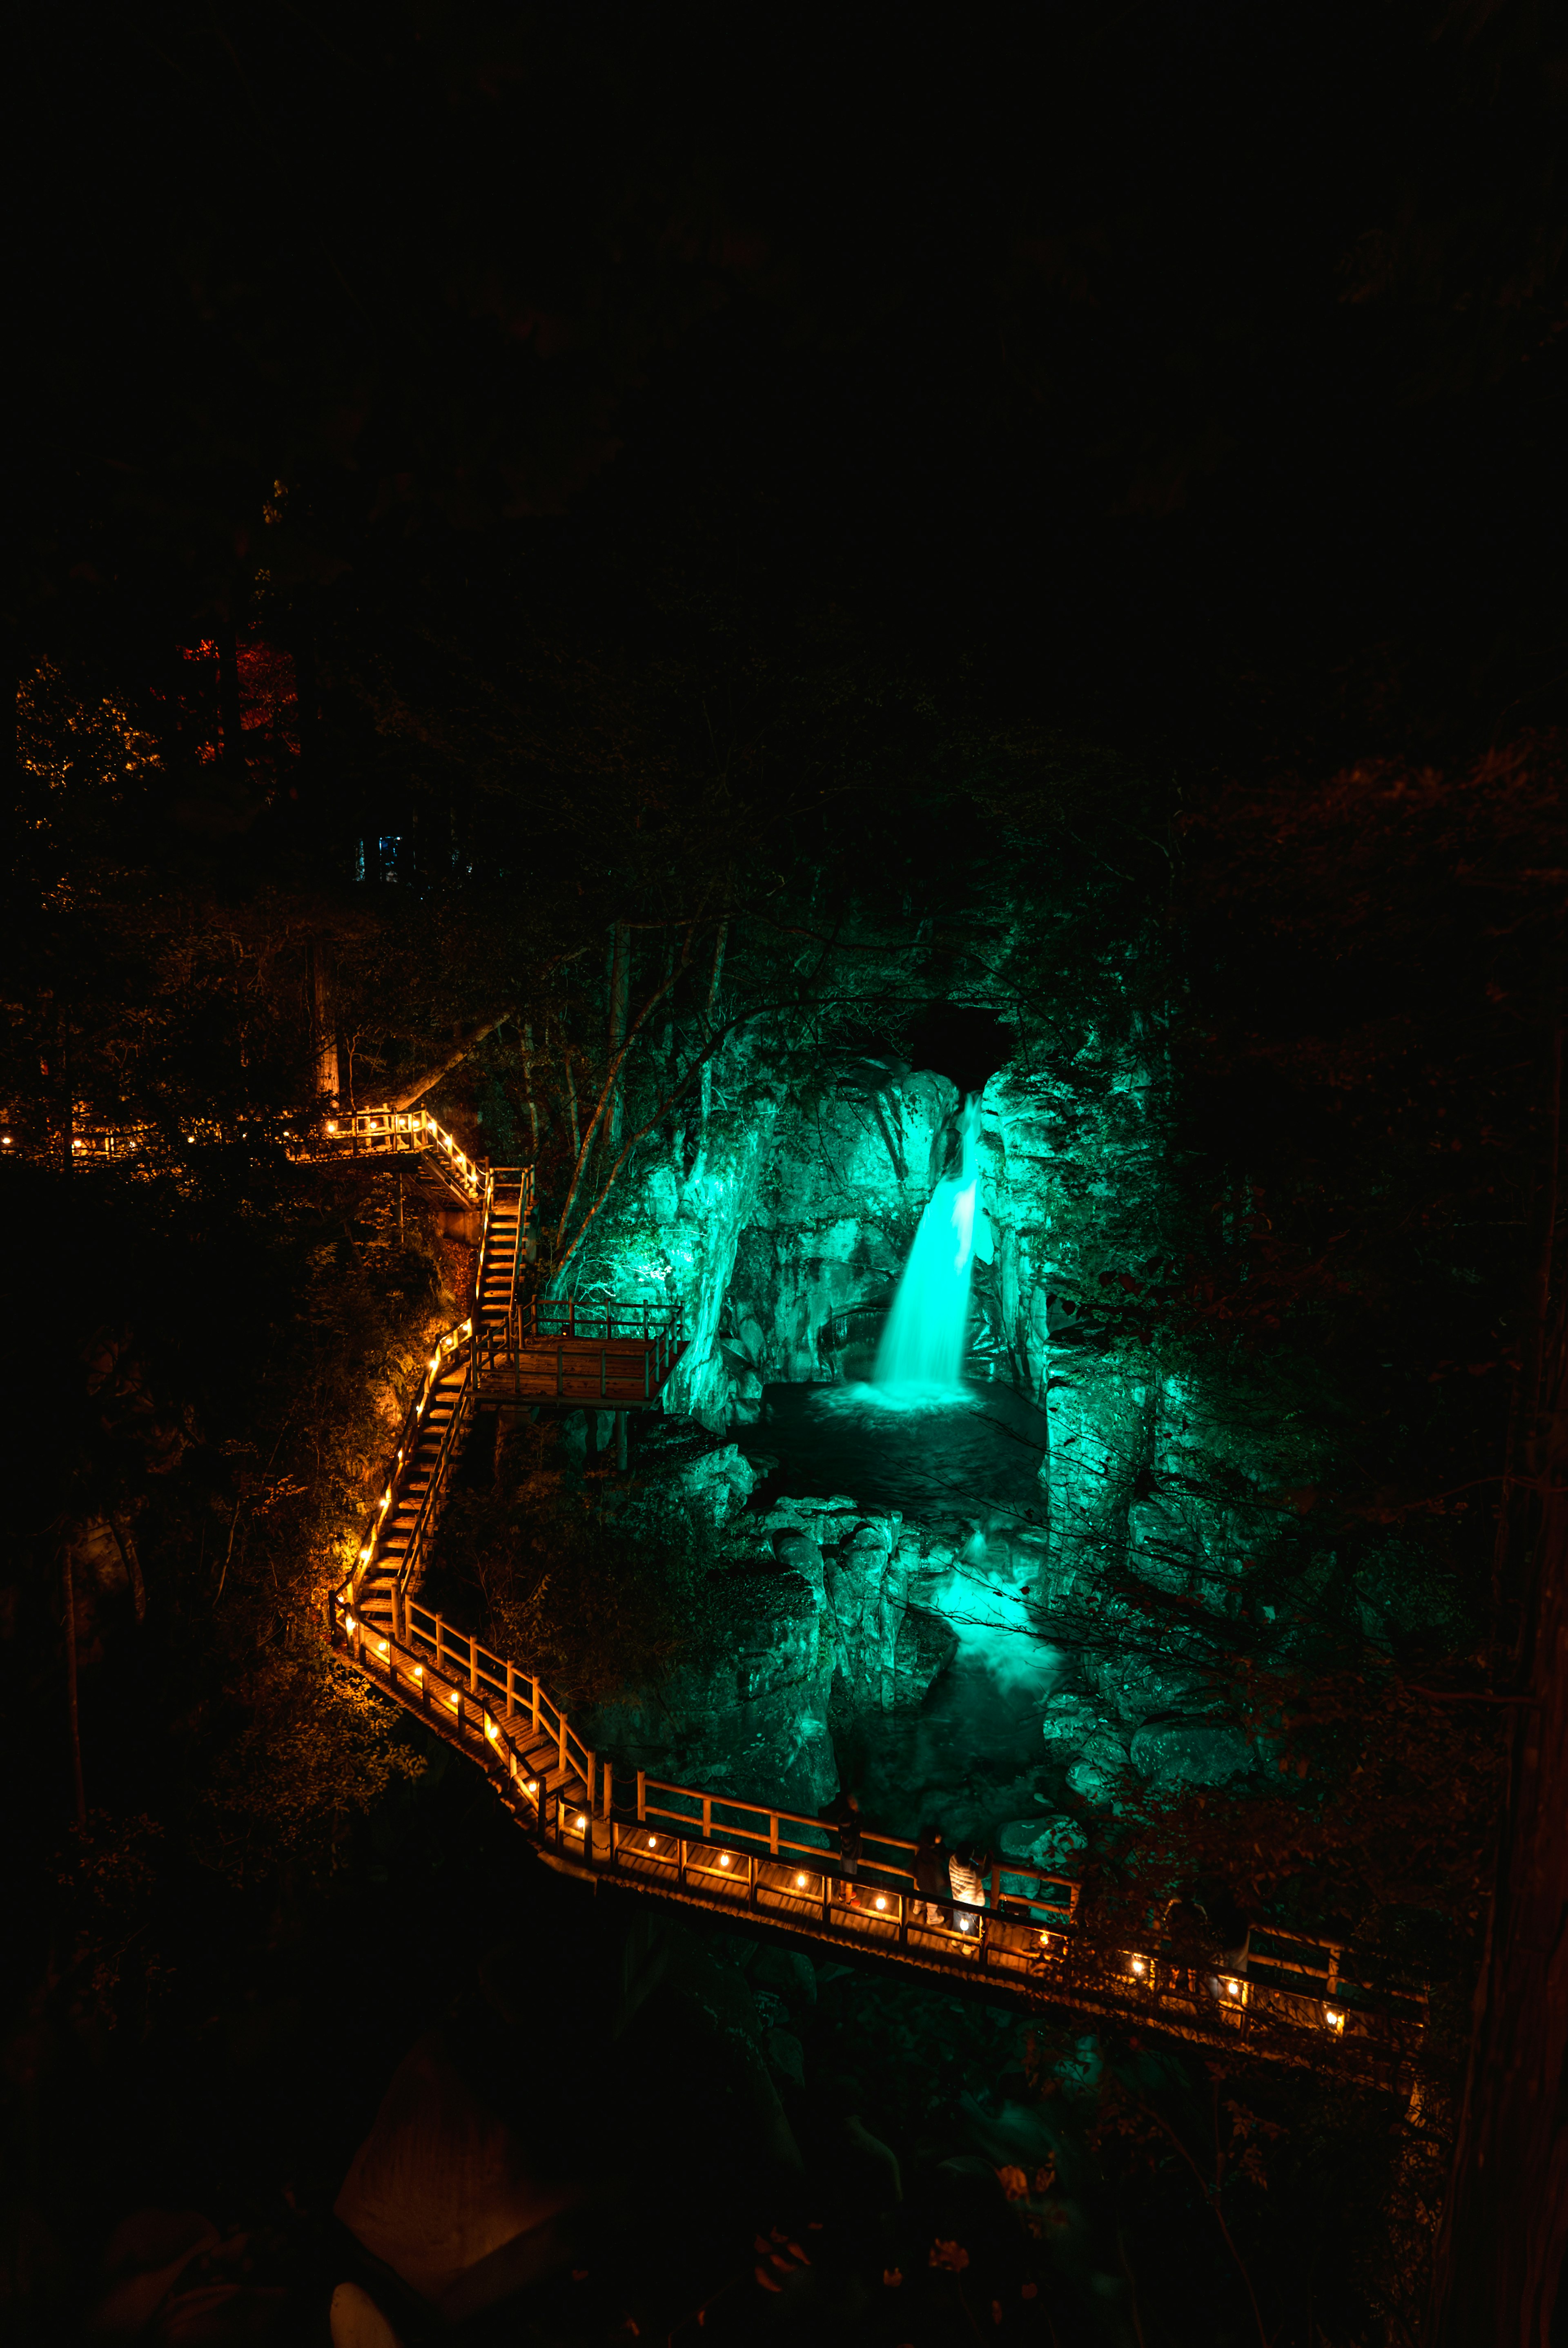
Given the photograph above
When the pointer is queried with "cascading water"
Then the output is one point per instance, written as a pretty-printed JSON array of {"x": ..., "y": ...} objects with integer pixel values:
[{"x": 926, "y": 1335}]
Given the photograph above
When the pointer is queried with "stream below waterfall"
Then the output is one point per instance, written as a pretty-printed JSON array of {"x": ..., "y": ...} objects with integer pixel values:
[
  {"x": 972, "y": 1752},
  {"x": 980, "y": 1448}
]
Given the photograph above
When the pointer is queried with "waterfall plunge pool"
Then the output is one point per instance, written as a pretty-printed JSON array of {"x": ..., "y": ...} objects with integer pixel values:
[{"x": 925, "y": 1452}]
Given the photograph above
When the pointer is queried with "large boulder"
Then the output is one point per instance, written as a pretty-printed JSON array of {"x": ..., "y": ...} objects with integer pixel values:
[
  {"x": 444, "y": 2193},
  {"x": 925, "y": 1646},
  {"x": 1048, "y": 1842},
  {"x": 1051, "y": 1841},
  {"x": 718, "y": 1482},
  {"x": 1136, "y": 1688},
  {"x": 1192, "y": 1752},
  {"x": 1069, "y": 1718},
  {"x": 1095, "y": 1776},
  {"x": 867, "y": 1587},
  {"x": 756, "y": 1723}
]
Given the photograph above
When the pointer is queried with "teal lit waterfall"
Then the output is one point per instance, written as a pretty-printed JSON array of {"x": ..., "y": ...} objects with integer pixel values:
[{"x": 923, "y": 1343}]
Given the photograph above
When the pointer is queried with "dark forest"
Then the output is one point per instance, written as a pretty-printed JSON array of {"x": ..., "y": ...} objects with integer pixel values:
[{"x": 784, "y": 998}]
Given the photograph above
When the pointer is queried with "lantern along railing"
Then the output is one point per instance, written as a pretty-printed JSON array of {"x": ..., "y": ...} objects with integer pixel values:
[
  {"x": 365, "y": 1132},
  {"x": 389, "y": 1132},
  {"x": 1294, "y": 2000},
  {"x": 453, "y": 1351},
  {"x": 460, "y": 1350}
]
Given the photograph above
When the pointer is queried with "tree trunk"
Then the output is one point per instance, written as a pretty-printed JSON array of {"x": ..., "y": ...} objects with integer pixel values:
[
  {"x": 1505, "y": 2218},
  {"x": 307, "y": 702},
  {"x": 126, "y": 1540},
  {"x": 72, "y": 1713},
  {"x": 707, "y": 1094},
  {"x": 229, "y": 699},
  {"x": 323, "y": 1019},
  {"x": 529, "y": 1084},
  {"x": 619, "y": 977},
  {"x": 411, "y": 1093}
]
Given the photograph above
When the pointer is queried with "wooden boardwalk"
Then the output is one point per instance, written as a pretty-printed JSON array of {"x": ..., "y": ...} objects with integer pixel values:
[{"x": 1298, "y": 2000}]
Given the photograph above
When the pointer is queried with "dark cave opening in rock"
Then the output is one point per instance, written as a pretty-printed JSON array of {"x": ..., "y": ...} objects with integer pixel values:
[{"x": 964, "y": 1042}]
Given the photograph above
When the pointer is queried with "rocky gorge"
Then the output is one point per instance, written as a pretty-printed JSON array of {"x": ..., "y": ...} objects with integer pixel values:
[{"x": 1020, "y": 1610}]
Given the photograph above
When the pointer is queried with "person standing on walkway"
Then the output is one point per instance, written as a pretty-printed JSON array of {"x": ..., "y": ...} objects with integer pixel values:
[
  {"x": 846, "y": 1818},
  {"x": 967, "y": 1876},
  {"x": 931, "y": 1879}
]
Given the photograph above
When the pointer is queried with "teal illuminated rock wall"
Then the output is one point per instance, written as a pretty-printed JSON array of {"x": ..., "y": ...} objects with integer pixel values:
[{"x": 1162, "y": 1474}]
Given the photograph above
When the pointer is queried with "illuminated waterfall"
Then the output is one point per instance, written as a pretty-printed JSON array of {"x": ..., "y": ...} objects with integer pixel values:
[{"x": 927, "y": 1331}]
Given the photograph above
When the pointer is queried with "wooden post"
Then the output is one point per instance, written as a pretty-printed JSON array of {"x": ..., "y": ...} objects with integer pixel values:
[
  {"x": 707, "y": 1818},
  {"x": 641, "y": 1798},
  {"x": 438, "y": 1643},
  {"x": 560, "y": 1738},
  {"x": 535, "y": 1706},
  {"x": 511, "y": 1689},
  {"x": 773, "y": 1833},
  {"x": 608, "y": 1772},
  {"x": 473, "y": 1665},
  {"x": 590, "y": 1768}
]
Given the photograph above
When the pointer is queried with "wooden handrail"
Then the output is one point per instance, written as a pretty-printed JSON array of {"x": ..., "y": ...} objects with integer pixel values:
[{"x": 1029, "y": 1944}]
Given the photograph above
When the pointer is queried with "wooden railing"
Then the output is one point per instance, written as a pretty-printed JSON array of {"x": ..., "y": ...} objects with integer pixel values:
[
  {"x": 457, "y": 1345},
  {"x": 1293, "y": 1998},
  {"x": 600, "y": 1324},
  {"x": 386, "y": 1131},
  {"x": 372, "y": 1132}
]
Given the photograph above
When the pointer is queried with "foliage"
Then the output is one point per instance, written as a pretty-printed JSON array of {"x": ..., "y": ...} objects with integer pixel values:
[{"x": 600, "y": 1591}]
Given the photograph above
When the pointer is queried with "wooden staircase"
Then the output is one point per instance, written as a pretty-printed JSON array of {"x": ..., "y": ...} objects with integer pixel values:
[{"x": 438, "y": 1420}]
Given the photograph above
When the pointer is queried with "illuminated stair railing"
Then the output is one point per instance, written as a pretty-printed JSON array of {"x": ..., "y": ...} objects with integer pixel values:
[{"x": 1295, "y": 2001}]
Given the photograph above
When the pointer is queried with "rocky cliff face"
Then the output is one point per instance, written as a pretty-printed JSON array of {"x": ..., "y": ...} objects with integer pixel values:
[{"x": 780, "y": 1244}]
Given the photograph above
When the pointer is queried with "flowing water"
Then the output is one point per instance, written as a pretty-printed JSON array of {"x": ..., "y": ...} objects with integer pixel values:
[
  {"x": 962, "y": 1457},
  {"x": 927, "y": 1332}
]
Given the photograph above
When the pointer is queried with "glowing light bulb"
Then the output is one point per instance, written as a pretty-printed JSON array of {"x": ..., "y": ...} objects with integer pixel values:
[
  {"x": 582, "y": 1822},
  {"x": 1335, "y": 2020},
  {"x": 880, "y": 1902},
  {"x": 650, "y": 1842},
  {"x": 724, "y": 1858},
  {"x": 350, "y": 1621},
  {"x": 1233, "y": 1988},
  {"x": 490, "y": 1729},
  {"x": 800, "y": 1883},
  {"x": 419, "y": 1671},
  {"x": 1139, "y": 1966}
]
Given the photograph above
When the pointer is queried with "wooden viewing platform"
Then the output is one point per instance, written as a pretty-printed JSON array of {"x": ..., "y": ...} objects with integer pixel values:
[{"x": 605, "y": 1356}]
